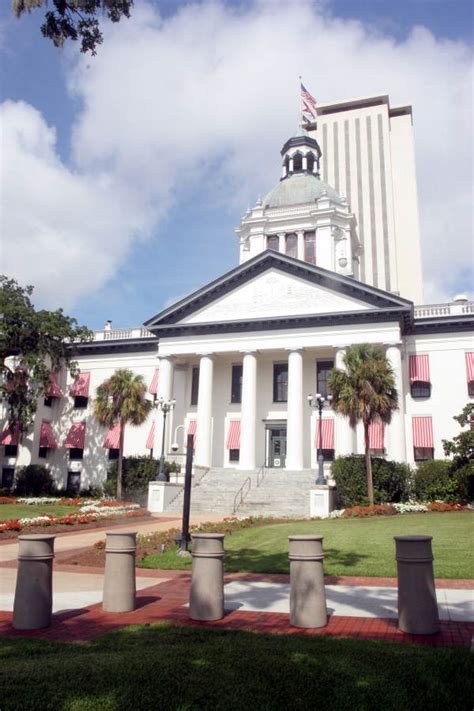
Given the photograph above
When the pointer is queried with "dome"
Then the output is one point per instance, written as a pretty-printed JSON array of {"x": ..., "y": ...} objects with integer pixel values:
[{"x": 299, "y": 188}]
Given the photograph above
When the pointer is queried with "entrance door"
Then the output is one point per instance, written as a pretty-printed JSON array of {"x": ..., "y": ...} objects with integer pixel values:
[{"x": 277, "y": 451}]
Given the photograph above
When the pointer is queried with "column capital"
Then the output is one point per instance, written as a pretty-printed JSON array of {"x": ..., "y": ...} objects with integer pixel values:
[
  {"x": 207, "y": 354},
  {"x": 281, "y": 234},
  {"x": 299, "y": 232},
  {"x": 295, "y": 349},
  {"x": 393, "y": 344},
  {"x": 168, "y": 358},
  {"x": 249, "y": 351}
]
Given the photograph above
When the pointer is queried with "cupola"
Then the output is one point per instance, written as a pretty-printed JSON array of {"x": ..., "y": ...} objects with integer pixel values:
[{"x": 301, "y": 154}]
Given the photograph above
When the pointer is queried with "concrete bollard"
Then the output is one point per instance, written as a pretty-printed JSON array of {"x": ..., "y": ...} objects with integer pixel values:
[
  {"x": 417, "y": 605},
  {"x": 33, "y": 605},
  {"x": 119, "y": 578},
  {"x": 307, "y": 591},
  {"x": 206, "y": 600}
]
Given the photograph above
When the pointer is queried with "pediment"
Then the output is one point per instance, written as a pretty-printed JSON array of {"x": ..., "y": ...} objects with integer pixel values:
[
  {"x": 273, "y": 287},
  {"x": 274, "y": 294}
]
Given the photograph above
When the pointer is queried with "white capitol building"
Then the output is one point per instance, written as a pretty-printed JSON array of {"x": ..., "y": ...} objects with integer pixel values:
[{"x": 328, "y": 258}]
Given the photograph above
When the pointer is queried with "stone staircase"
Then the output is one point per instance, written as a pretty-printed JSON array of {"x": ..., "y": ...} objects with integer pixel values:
[
  {"x": 214, "y": 493},
  {"x": 281, "y": 493}
]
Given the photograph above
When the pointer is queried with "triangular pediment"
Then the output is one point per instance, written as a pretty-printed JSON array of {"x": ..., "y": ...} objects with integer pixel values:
[
  {"x": 274, "y": 294},
  {"x": 275, "y": 287}
]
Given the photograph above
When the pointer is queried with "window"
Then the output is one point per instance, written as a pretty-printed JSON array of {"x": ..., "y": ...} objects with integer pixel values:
[
  {"x": 297, "y": 163},
  {"x": 310, "y": 247},
  {"x": 236, "y": 386},
  {"x": 11, "y": 450},
  {"x": 74, "y": 482},
  {"x": 75, "y": 453},
  {"x": 80, "y": 401},
  {"x": 310, "y": 162},
  {"x": 420, "y": 389},
  {"x": 292, "y": 245},
  {"x": 280, "y": 382},
  {"x": 273, "y": 242},
  {"x": 470, "y": 388},
  {"x": 43, "y": 452},
  {"x": 113, "y": 454},
  {"x": 234, "y": 455},
  {"x": 323, "y": 371},
  {"x": 48, "y": 401},
  {"x": 195, "y": 385},
  {"x": 8, "y": 474},
  {"x": 421, "y": 454}
]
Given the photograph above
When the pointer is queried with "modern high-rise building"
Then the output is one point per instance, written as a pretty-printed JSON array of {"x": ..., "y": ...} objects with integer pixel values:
[{"x": 368, "y": 157}]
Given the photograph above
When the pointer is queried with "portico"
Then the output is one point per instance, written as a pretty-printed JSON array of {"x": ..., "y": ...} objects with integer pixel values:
[{"x": 244, "y": 381}]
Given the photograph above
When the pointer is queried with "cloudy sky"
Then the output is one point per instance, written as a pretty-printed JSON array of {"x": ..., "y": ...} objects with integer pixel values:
[{"x": 125, "y": 174}]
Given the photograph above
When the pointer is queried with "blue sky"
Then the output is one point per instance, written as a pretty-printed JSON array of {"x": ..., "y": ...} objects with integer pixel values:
[{"x": 130, "y": 170}]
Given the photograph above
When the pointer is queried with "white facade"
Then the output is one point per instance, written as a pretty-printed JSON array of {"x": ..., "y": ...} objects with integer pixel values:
[{"x": 330, "y": 279}]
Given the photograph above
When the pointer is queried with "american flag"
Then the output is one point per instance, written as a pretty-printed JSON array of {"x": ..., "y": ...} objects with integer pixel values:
[{"x": 309, "y": 103}]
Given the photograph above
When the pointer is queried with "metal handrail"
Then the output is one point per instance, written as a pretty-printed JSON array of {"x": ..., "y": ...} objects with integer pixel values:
[
  {"x": 260, "y": 474},
  {"x": 248, "y": 482}
]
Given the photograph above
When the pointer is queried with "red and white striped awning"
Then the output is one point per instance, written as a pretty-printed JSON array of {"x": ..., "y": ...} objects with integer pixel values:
[
  {"x": 327, "y": 433},
  {"x": 376, "y": 435},
  {"x": 9, "y": 436},
  {"x": 150, "y": 440},
  {"x": 153, "y": 389},
  {"x": 76, "y": 436},
  {"x": 419, "y": 368},
  {"x": 46, "y": 436},
  {"x": 80, "y": 387},
  {"x": 233, "y": 435},
  {"x": 112, "y": 438},
  {"x": 470, "y": 367},
  {"x": 53, "y": 390},
  {"x": 423, "y": 432}
]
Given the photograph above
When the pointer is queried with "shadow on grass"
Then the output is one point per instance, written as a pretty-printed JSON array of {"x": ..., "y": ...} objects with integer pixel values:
[
  {"x": 167, "y": 667},
  {"x": 251, "y": 560}
]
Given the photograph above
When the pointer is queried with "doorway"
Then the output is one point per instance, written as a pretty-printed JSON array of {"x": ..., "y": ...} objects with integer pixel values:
[{"x": 276, "y": 446}]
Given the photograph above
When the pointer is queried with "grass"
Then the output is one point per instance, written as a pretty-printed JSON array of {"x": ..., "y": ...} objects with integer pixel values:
[
  {"x": 168, "y": 667},
  {"x": 8, "y": 511},
  {"x": 352, "y": 546}
]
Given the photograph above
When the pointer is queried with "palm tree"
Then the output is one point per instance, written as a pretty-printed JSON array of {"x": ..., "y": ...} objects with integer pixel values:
[
  {"x": 121, "y": 400},
  {"x": 365, "y": 392}
]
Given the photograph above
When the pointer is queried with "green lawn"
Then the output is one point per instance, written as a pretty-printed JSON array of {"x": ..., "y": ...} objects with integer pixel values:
[
  {"x": 8, "y": 511},
  {"x": 168, "y": 667},
  {"x": 352, "y": 546}
]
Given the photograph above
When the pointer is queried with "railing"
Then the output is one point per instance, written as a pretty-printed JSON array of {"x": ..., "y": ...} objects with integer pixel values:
[
  {"x": 448, "y": 309},
  {"x": 260, "y": 475},
  {"x": 116, "y": 334},
  {"x": 242, "y": 493}
]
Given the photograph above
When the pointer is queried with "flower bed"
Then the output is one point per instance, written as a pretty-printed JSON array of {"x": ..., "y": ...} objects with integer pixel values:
[
  {"x": 393, "y": 509},
  {"x": 90, "y": 512}
]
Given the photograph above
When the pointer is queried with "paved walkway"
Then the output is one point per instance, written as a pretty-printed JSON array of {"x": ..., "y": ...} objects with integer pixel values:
[{"x": 357, "y": 607}]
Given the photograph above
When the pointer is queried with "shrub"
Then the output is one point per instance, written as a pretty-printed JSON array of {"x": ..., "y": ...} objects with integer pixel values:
[
  {"x": 137, "y": 473},
  {"x": 439, "y": 480},
  {"x": 391, "y": 480},
  {"x": 34, "y": 480}
]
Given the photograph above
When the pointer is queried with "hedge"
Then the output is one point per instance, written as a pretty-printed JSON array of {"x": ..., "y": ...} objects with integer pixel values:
[{"x": 391, "y": 480}]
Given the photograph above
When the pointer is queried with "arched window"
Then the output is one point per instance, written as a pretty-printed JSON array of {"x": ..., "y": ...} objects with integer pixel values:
[
  {"x": 310, "y": 162},
  {"x": 310, "y": 247},
  {"x": 273, "y": 242},
  {"x": 292, "y": 245},
  {"x": 297, "y": 163}
]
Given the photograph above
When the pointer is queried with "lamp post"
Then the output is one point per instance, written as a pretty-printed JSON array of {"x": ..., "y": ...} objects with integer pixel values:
[
  {"x": 165, "y": 407},
  {"x": 317, "y": 402}
]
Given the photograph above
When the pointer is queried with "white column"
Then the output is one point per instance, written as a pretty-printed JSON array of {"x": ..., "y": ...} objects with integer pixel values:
[
  {"x": 345, "y": 434},
  {"x": 304, "y": 162},
  {"x": 203, "y": 456},
  {"x": 294, "y": 428},
  {"x": 395, "y": 431},
  {"x": 281, "y": 243},
  {"x": 291, "y": 165},
  {"x": 300, "y": 253},
  {"x": 165, "y": 390},
  {"x": 248, "y": 417}
]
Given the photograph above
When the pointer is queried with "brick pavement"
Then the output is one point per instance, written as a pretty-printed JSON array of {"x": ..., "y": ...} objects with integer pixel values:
[{"x": 165, "y": 602}]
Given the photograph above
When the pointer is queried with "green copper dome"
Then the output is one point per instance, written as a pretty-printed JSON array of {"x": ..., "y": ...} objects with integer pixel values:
[{"x": 298, "y": 188}]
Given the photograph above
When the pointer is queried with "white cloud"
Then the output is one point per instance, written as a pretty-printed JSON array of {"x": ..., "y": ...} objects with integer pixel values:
[{"x": 210, "y": 94}]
